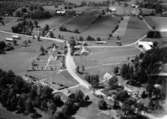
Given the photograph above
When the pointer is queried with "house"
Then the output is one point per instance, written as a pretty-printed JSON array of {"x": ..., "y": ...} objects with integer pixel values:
[
  {"x": 9, "y": 39},
  {"x": 61, "y": 11},
  {"x": 145, "y": 45},
  {"x": 16, "y": 37},
  {"x": 113, "y": 9},
  {"x": 84, "y": 51},
  {"x": 107, "y": 76}
]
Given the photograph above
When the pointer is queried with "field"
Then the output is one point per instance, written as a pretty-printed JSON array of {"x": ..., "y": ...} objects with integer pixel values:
[
  {"x": 135, "y": 30},
  {"x": 158, "y": 22},
  {"x": 20, "y": 59},
  {"x": 102, "y": 60},
  {"x": 88, "y": 23},
  {"x": 9, "y": 22},
  {"x": 102, "y": 27}
]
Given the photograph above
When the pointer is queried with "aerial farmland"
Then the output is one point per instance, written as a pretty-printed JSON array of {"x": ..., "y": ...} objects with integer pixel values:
[{"x": 83, "y": 59}]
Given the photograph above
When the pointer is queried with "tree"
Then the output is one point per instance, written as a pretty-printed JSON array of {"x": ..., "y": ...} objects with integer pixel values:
[
  {"x": 2, "y": 21},
  {"x": 59, "y": 115},
  {"x": 43, "y": 50},
  {"x": 113, "y": 82},
  {"x": 93, "y": 80},
  {"x": 70, "y": 108},
  {"x": 36, "y": 23},
  {"x": 90, "y": 38},
  {"x": 51, "y": 34},
  {"x": 2, "y": 46},
  {"x": 98, "y": 39},
  {"x": 102, "y": 104},
  {"x": 154, "y": 34},
  {"x": 45, "y": 30},
  {"x": 122, "y": 96},
  {"x": 28, "y": 106},
  {"x": 127, "y": 71},
  {"x": 81, "y": 38},
  {"x": 57, "y": 101},
  {"x": 116, "y": 70}
]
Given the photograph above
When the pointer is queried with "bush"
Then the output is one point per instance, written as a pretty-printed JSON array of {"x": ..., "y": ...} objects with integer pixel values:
[
  {"x": 93, "y": 80},
  {"x": 62, "y": 28},
  {"x": 33, "y": 11},
  {"x": 153, "y": 34},
  {"x": 2, "y": 46},
  {"x": 76, "y": 31},
  {"x": 90, "y": 38}
]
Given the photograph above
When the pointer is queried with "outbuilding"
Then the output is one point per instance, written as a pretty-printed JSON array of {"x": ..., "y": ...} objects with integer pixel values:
[{"x": 16, "y": 37}]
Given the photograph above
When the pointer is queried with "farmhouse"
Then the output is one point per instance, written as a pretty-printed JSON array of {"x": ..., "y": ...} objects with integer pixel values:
[
  {"x": 61, "y": 11},
  {"x": 112, "y": 9}
]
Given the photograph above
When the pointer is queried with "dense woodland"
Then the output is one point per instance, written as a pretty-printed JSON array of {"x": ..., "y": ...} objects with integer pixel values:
[{"x": 25, "y": 97}]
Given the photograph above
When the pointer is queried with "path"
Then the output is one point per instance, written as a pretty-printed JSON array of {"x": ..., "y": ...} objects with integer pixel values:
[
  {"x": 147, "y": 24},
  {"x": 29, "y": 36},
  {"x": 122, "y": 27},
  {"x": 127, "y": 45}
]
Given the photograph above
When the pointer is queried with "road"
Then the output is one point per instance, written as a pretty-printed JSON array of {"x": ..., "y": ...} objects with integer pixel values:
[
  {"x": 71, "y": 68},
  {"x": 29, "y": 36},
  {"x": 126, "y": 45}
]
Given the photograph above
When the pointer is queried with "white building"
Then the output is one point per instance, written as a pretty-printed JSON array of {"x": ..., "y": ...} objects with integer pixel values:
[
  {"x": 9, "y": 39},
  {"x": 145, "y": 45},
  {"x": 16, "y": 37}
]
